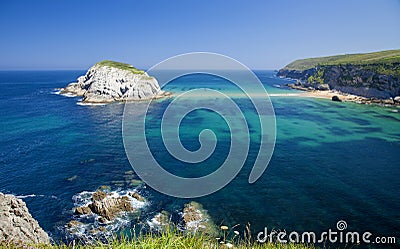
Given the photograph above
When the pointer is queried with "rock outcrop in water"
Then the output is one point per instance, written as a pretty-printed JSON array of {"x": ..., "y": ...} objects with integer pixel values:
[
  {"x": 107, "y": 205},
  {"x": 17, "y": 225},
  {"x": 109, "y": 81},
  {"x": 196, "y": 219}
]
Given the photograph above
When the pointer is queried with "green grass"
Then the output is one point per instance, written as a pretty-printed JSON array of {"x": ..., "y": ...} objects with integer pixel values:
[
  {"x": 174, "y": 239},
  {"x": 119, "y": 65},
  {"x": 386, "y": 59}
]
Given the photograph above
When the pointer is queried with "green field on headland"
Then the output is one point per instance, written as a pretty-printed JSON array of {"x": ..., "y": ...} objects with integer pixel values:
[{"x": 382, "y": 57}]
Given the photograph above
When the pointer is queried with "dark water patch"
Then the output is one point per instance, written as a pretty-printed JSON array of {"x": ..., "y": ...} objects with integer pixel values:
[
  {"x": 369, "y": 112},
  {"x": 367, "y": 129},
  {"x": 357, "y": 121},
  {"x": 337, "y": 131},
  {"x": 389, "y": 117}
]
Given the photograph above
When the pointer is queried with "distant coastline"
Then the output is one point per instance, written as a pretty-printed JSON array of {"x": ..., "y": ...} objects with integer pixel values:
[{"x": 371, "y": 78}]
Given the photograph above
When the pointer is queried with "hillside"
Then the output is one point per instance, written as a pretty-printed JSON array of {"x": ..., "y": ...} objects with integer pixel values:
[
  {"x": 389, "y": 58},
  {"x": 371, "y": 75}
]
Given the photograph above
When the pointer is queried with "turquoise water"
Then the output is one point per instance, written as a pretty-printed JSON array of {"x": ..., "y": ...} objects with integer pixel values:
[{"x": 332, "y": 161}]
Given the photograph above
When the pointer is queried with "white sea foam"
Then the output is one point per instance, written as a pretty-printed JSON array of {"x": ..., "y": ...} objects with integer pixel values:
[
  {"x": 155, "y": 221},
  {"x": 90, "y": 104},
  {"x": 69, "y": 95},
  {"x": 28, "y": 196},
  {"x": 91, "y": 222}
]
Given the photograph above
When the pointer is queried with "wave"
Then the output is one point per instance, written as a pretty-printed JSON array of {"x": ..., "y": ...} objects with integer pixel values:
[
  {"x": 90, "y": 104},
  {"x": 69, "y": 95},
  {"x": 87, "y": 227},
  {"x": 28, "y": 196}
]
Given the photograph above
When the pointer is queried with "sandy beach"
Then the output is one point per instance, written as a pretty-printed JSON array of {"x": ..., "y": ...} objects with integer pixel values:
[{"x": 321, "y": 95}]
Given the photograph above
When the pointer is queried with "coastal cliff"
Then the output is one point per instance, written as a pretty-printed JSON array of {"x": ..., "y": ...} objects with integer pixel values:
[
  {"x": 372, "y": 75},
  {"x": 17, "y": 225},
  {"x": 109, "y": 81}
]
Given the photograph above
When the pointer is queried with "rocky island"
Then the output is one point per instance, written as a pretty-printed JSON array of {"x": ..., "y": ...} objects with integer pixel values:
[
  {"x": 369, "y": 78},
  {"x": 110, "y": 81}
]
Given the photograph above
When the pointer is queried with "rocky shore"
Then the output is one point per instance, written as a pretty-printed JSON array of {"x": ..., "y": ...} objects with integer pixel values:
[
  {"x": 335, "y": 95},
  {"x": 369, "y": 78},
  {"x": 17, "y": 226},
  {"x": 109, "y": 81}
]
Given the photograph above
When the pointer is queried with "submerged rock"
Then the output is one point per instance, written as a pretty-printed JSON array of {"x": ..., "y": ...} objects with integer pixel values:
[
  {"x": 74, "y": 223},
  {"x": 17, "y": 226},
  {"x": 109, "y": 81},
  {"x": 136, "y": 196},
  {"x": 160, "y": 221},
  {"x": 196, "y": 219}
]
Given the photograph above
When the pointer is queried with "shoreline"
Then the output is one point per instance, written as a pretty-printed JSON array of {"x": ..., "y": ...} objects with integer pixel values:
[{"x": 343, "y": 97}]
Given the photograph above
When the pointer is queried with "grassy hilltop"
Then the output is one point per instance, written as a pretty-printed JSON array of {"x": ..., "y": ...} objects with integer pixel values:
[
  {"x": 383, "y": 62},
  {"x": 120, "y": 65},
  {"x": 382, "y": 57}
]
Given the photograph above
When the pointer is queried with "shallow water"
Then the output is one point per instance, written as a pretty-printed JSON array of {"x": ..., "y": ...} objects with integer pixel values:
[{"x": 332, "y": 161}]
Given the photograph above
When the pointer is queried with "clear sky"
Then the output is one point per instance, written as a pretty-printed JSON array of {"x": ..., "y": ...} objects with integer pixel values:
[{"x": 261, "y": 34}]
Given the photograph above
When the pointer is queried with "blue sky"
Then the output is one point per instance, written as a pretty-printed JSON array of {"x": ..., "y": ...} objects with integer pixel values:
[{"x": 261, "y": 34}]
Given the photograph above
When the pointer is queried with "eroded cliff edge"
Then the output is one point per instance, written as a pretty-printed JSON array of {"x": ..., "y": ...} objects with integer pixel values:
[
  {"x": 109, "y": 81},
  {"x": 372, "y": 75},
  {"x": 17, "y": 226}
]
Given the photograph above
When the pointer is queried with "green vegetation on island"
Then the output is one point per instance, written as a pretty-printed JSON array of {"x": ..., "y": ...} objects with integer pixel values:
[{"x": 120, "y": 65}]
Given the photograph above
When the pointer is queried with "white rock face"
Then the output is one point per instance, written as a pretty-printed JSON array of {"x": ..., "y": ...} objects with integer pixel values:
[
  {"x": 17, "y": 225},
  {"x": 105, "y": 84}
]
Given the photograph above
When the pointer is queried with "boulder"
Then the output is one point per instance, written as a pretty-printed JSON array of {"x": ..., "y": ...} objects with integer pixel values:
[
  {"x": 322, "y": 87},
  {"x": 17, "y": 226},
  {"x": 136, "y": 196},
  {"x": 108, "y": 206},
  {"x": 83, "y": 210},
  {"x": 336, "y": 98},
  {"x": 74, "y": 223}
]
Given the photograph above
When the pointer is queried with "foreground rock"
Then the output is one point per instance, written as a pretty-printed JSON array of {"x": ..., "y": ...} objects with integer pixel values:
[
  {"x": 109, "y": 81},
  {"x": 17, "y": 225},
  {"x": 161, "y": 221}
]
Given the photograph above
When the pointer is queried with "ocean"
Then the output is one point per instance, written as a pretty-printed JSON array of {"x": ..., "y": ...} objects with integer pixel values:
[{"x": 332, "y": 161}]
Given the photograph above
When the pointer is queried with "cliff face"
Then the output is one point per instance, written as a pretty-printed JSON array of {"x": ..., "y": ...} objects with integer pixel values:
[
  {"x": 17, "y": 225},
  {"x": 104, "y": 83},
  {"x": 371, "y": 75},
  {"x": 351, "y": 79}
]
